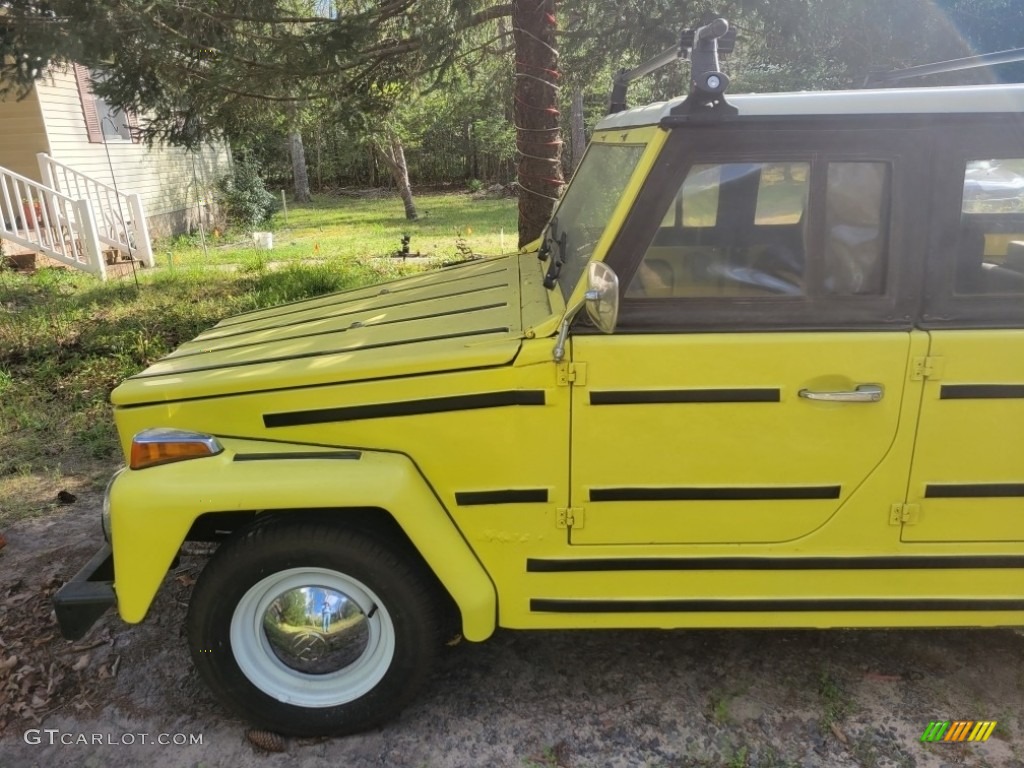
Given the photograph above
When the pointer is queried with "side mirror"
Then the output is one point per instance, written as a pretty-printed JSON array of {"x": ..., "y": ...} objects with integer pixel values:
[
  {"x": 602, "y": 296},
  {"x": 602, "y": 300}
]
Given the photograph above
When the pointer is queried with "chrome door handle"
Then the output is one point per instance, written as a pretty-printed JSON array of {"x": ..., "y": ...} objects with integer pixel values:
[{"x": 865, "y": 393}]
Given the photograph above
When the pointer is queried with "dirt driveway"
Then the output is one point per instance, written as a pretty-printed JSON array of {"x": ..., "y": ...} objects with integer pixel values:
[{"x": 697, "y": 698}]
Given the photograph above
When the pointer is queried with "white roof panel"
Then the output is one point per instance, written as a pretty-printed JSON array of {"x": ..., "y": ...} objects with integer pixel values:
[{"x": 974, "y": 98}]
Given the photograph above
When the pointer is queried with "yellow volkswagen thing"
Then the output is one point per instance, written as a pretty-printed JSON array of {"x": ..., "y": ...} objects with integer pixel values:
[{"x": 764, "y": 369}]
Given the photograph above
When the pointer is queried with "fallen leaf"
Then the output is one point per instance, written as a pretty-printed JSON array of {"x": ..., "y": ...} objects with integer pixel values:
[
  {"x": 838, "y": 733},
  {"x": 185, "y": 580},
  {"x": 82, "y": 663}
]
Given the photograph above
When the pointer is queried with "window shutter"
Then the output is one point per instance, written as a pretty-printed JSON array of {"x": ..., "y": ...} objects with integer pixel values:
[{"x": 92, "y": 118}]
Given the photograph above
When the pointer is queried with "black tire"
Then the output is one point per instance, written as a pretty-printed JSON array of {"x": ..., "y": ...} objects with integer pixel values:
[{"x": 280, "y": 556}]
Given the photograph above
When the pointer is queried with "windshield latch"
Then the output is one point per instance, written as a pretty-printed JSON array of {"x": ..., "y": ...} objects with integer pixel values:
[{"x": 557, "y": 260}]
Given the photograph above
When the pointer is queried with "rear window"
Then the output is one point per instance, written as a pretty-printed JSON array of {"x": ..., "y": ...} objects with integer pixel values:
[{"x": 990, "y": 248}]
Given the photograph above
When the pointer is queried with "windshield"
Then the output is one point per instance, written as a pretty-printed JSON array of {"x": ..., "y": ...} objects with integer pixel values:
[{"x": 586, "y": 208}]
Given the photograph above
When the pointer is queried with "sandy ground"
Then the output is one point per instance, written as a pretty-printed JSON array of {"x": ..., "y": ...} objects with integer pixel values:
[{"x": 548, "y": 699}]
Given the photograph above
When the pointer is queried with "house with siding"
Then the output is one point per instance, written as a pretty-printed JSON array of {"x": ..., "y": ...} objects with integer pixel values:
[{"x": 75, "y": 177}]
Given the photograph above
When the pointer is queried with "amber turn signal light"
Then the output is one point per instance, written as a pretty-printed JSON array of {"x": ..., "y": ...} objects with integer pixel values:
[{"x": 162, "y": 446}]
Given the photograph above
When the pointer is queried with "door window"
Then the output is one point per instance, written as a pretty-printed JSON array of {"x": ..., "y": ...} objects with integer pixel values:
[{"x": 745, "y": 230}]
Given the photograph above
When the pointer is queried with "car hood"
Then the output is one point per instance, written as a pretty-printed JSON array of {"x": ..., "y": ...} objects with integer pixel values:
[{"x": 461, "y": 317}]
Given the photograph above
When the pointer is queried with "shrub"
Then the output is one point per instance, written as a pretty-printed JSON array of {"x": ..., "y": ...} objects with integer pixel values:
[{"x": 244, "y": 196}]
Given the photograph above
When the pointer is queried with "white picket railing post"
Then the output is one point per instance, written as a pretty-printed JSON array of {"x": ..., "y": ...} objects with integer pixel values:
[
  {"x": 88, "y": 235},
  {"x": 141, "y": 227},
  {"x": 46, "y": 172}
]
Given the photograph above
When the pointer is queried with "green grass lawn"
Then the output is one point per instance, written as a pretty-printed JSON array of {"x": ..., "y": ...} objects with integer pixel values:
[
  {"x": 343, "y": 227},
  {"x": 66, "y": 339}
]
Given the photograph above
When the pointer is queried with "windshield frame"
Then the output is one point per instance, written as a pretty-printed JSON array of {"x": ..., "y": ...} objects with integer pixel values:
[{"x": 651, "y": 138}]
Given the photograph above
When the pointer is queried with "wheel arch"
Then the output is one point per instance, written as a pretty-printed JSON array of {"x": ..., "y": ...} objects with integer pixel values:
[
  {"x": 379, "y": 523},
  {"x": 205, "y": 499}
]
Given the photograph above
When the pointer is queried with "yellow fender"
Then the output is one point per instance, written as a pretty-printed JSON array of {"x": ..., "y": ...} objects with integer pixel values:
[{"x": 152, "y": 510}]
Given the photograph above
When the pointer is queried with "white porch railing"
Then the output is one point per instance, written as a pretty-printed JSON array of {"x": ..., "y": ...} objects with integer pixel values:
[
  {"x": 120, "y": 217},
  {"x": 44, "y": 220}
]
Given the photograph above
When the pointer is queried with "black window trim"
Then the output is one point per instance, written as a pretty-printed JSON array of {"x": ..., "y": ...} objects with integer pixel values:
[{"x": 751, "y": 141}]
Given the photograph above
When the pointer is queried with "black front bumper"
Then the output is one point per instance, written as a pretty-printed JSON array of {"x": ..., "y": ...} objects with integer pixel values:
[{"x": 85, "y": 598}]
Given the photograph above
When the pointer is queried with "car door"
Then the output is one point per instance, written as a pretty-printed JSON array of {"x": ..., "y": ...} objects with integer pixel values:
[
  {"x": 968, "y": 475},
  {"x": 755, "y": 389}
]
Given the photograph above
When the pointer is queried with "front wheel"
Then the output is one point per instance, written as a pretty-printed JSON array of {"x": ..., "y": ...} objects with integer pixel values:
[{"x": 308, "y": 629}]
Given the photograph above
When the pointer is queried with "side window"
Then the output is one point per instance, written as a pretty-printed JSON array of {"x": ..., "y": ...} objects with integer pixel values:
[
  {"x": 990, "y": 246},
  {"x": 710, "y": 243},
  {"x": 744, "y": 230}
]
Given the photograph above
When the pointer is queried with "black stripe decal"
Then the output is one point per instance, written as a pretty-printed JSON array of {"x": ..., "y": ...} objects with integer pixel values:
[
  {"x": 981, "y": 391},
  {"x": 333, "y": 315},
  {"x": 378, "y": 324},
  {"x": 776, "y": 606},
  {"x": 974, "y": 490},
  {"x": 768, "y": 493},
  {"x": 662, "y": 396},
  {"x": 325, "y": 353},
  {"x": 405, "y": 408},
  {"x": 511, "y": 496},
  {"x": 350, "y": 455},
  {"x": 897, "y": 562}
]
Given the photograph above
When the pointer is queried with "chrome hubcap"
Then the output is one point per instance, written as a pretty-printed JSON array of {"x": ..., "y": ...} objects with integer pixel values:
[
  {"x": 290, "y": 648},
  {"x": 315, "y": 629}
]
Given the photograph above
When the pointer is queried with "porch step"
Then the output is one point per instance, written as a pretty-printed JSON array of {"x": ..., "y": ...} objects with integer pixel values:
[{"x": 22, "y": 259}]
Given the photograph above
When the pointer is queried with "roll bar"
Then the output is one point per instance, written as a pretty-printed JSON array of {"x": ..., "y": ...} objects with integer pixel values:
[{"x": 702, "y": 46}]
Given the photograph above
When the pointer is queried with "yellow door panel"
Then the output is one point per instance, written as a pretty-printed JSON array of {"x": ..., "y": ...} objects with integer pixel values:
[
  {"x": 968, "y": 471},
  {"x": 704, "y": 438}
]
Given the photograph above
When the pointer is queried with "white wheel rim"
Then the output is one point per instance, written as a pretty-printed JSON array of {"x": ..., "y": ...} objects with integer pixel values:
[{"x": 260, "y": 664}]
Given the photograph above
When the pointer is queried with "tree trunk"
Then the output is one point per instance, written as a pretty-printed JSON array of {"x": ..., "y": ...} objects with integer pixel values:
[
  {"x": 579, "y": 136},
  {"x": 298, "y": 152},
  {"x": 393, "y": 155},
  {"x": 536, "y": 114},
  {"x": 472, "y": 153},
  {"x": 319, "y": 160}
]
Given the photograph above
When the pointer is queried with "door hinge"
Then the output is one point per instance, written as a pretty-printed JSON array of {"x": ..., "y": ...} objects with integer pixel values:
[
  {"x": 569, "y": 517},
  {"x": 572, "y": 373},
  {"x": 904, "y": 514},
  {"x": 927, "y": 368}
]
